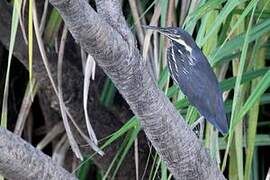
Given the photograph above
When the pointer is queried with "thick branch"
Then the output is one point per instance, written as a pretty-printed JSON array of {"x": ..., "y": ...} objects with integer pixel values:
[
  {"x": 19, "y": 160},
  {"x": 111, "y": 11},
  {"x": 166, "y": 129}
]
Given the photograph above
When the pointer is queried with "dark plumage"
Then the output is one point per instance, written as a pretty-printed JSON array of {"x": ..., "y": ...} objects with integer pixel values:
[{"x": 191, "y": 70}]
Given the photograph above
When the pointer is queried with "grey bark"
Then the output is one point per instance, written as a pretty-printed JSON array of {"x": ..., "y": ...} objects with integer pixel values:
[
  {"x": 174, "y": 141},
  {"x": 16, "y": 153}
]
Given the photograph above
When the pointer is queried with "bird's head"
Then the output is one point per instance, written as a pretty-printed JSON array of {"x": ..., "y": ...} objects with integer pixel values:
[
  {"x": 170, "y": 32},
  {"x": 176, "y": 34}
]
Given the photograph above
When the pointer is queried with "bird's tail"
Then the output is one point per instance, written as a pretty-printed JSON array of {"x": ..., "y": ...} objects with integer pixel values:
[
  {"x": 220, "y": 120},
  {"x": 222, "y": 123}
]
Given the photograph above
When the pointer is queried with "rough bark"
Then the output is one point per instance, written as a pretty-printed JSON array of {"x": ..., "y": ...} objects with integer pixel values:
[
  {"x": 174, "y": 141},
  {"x": 16, "y": 153},
  {"x": 104, "y": 121}
]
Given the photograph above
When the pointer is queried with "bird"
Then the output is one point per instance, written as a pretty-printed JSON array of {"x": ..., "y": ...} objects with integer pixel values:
[{"x": 191, "y": 71}]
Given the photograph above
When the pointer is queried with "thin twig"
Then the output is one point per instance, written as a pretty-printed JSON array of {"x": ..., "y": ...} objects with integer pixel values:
[
  {"x": 54, "y": 132},
  {"x": 25, "y": 107},
  {"x": 43, "y": 17},
  {"x": 72, "y": 141}
]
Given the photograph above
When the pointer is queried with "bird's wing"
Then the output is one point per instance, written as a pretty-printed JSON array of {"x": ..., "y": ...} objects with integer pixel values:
[
  {"x": 205, "y": 86},
  {"x": 194, "y": 80},
  {"x": 209, "y": 100},
  {"x": 199, "y": 83},
  {"x": 189, "y": 74}
]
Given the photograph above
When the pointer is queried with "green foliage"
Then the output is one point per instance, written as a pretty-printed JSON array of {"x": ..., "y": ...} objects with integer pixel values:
[{"x": 52, "y": 27}]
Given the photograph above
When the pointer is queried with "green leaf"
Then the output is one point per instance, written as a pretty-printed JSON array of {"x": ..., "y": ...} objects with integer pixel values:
[
  {"x": 226, "y": 10},
  {"x": 52, "y": 27},
  {"x": 261, "y": 140},
  {"x": 256, "y": 94},
  {"x": 237, "y": 42},
  {"x": 108, "y": 93},
  {"x": 240, "y": 19},
  {"x": 120, "y": 155},
  {"x": 201, "y": 11}
]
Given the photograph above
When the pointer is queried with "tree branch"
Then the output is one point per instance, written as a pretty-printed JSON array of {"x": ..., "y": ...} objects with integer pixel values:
[
  {"x": 174, "y": 141},
  {"x": 19, "y": 160},
  {"x": 111, "y": 11}
]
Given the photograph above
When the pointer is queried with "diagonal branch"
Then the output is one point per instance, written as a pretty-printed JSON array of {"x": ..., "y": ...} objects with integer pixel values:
[
  {"x": 104, "y": 121},
  {"x": 111, "y": 11},
  {"x": 166, "y": 129},
  {"x": 20, "y": 160}
]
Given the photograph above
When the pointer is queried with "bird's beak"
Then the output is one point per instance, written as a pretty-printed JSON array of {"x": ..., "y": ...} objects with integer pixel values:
[{"x": 161, "y": 30}]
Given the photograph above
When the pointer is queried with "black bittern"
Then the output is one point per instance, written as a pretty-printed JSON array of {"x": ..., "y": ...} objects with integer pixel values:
[{"x": 190, "y": 69}]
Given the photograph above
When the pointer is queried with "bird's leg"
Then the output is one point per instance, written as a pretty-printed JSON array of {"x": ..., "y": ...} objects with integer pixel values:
[{"x": 200, "y": 121}]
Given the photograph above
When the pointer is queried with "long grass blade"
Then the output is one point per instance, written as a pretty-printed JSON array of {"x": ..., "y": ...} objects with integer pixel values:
[
  {"x": 227, "y": 9},
  {"x": 251, "y": 137},
  {"x": 258, "y": 91},
  {"x": 14, "y": 26},
  {"x": 240, "y": 19},
  {"x": 25, "y": 107},
  {"x": 237, "y": 42},
  {"x": 30, "y": 45},
  {"x": 53, "y": 26},
  {"x": 72, "y": 141},
  {"x": 237, "y": 91}
]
